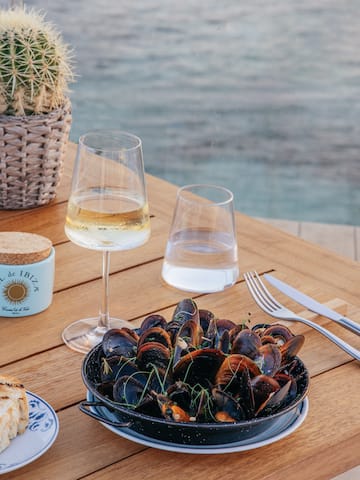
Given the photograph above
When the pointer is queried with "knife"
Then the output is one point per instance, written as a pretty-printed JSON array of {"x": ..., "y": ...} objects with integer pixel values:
[{"x": 313, "y": 305}]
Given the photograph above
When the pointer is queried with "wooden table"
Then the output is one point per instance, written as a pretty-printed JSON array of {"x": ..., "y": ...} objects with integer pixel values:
[{"x": 326, "y": 444}]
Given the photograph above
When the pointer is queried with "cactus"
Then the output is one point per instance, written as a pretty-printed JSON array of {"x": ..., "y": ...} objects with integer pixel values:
[{"x": 35, "y": 64}]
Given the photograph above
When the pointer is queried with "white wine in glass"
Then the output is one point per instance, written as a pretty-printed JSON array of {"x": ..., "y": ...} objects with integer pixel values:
[{"x": 107, "y": 211}]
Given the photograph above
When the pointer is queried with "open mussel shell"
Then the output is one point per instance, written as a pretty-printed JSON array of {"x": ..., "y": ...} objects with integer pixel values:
[{"x": 191, "y": 433}]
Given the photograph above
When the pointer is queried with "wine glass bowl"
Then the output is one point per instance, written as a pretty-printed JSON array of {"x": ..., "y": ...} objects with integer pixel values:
[{"x": 107, "y": 211}]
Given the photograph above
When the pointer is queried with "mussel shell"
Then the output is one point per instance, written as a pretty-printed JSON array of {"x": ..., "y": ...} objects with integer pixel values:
[
  {"x": 224, "y": 342},
  {"x": 290, "y": 383},
  {"x": 281, "y": 333},
  {"x": 246, "y": 343},
  {"x": 191, "y": 332},
  {"x": 188, "y": 338},
  {"x": 152, "y": 354},
  {"x": 154, "y": 320},
  {"x": 236, "y": 330},
  {"x": 234, "y": 371},
  {"x": 211, "y": 336},
  {"x": 217, "y": 334},
  {"x": 179, "y": 393},
  {"x": 155, "y": 334},
  {"x": 205, "y": 316},
  {"x": 105, "y": 389},
  {"x": 125, "y": 367},
  {"x": 268, "y": 339},
  {"x": 171, "y": 411},
  {"x": 234, "y": 377},
  {"x": 223, "y": 324},
  {"x": 291, "y": 348},
  {"x": 120, "y": 341},
  {"x": 227, "y": 409},
  {"x": 259, "y": 328},
  {"x": 129, "y": 391},
  {"x": 263, "y": 387},
  {"x": 186, "y": 310},
  {"x": 269, "y": 359},
  {"x": 110, "y": 367},
  {"x": 114, "y": 367},
  {"x": 199, "y": 367}
]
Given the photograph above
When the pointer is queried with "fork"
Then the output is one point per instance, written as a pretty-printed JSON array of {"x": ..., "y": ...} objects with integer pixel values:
[{"x": 272, "y": 307}]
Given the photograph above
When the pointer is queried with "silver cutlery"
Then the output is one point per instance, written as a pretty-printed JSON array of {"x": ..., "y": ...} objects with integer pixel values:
[
  {"x": 313, "y": 305},
  {"x": 272, "y": 307}
]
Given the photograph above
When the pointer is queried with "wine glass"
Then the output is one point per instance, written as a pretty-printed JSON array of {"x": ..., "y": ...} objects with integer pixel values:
[{"x": 107, "y": 211}]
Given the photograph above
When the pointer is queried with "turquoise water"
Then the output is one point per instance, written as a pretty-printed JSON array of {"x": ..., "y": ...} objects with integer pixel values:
[{"x": 262, "y": 98}]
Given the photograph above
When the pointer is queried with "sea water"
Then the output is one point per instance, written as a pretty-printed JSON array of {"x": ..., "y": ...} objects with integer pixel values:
[{"x": 260, "y": 97}]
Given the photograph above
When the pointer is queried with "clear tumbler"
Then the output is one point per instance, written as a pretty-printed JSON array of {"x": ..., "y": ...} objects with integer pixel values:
[{"x": 201, "y": 253}]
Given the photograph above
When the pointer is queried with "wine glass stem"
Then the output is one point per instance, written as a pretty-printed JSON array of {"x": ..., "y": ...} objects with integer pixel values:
[{"x": 104, "y": 320}]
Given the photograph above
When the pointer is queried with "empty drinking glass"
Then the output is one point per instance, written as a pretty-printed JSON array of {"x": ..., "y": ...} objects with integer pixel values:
[{"x": 201, "y": 252}]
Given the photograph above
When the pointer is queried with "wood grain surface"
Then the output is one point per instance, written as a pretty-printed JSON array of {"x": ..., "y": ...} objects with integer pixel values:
[{"x": 326, "y": 445}]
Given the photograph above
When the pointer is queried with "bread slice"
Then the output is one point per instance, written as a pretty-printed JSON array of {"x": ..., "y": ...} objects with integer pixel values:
[{"x": 14, "y": 410}]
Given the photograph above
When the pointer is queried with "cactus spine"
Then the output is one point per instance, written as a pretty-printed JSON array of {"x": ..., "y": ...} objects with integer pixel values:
[{"x": 35, "y": 64}]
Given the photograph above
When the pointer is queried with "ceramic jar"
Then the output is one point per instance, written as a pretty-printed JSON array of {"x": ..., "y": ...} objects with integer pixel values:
[{"x": 27, "y": 266}]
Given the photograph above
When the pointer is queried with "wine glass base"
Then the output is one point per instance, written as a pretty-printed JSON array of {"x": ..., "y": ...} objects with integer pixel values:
[{"x": 85, "y": 334}]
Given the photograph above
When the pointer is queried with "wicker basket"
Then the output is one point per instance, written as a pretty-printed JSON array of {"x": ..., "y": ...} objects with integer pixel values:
[{"x": 32, "y": 150}]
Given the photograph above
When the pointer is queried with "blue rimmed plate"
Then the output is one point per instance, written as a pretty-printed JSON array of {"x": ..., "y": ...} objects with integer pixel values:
[{"x": 40, "y": 434}]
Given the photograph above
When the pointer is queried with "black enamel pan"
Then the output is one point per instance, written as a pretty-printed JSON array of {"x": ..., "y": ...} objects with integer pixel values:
[{"x": 187, "y": 433}]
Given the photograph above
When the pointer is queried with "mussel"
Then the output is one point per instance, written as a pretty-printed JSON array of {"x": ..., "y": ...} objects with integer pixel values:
[{"x": 120, "y": 341}]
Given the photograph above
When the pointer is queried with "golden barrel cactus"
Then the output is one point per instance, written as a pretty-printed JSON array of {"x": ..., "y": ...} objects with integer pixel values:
[{"x": 35, "y": 64}]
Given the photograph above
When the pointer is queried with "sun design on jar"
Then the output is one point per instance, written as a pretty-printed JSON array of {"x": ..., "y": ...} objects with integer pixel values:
[{"x": 15, "y": 292}]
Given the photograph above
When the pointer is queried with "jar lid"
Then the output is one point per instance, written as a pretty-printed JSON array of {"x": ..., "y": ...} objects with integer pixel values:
[{"x": 20, "y": 248}]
